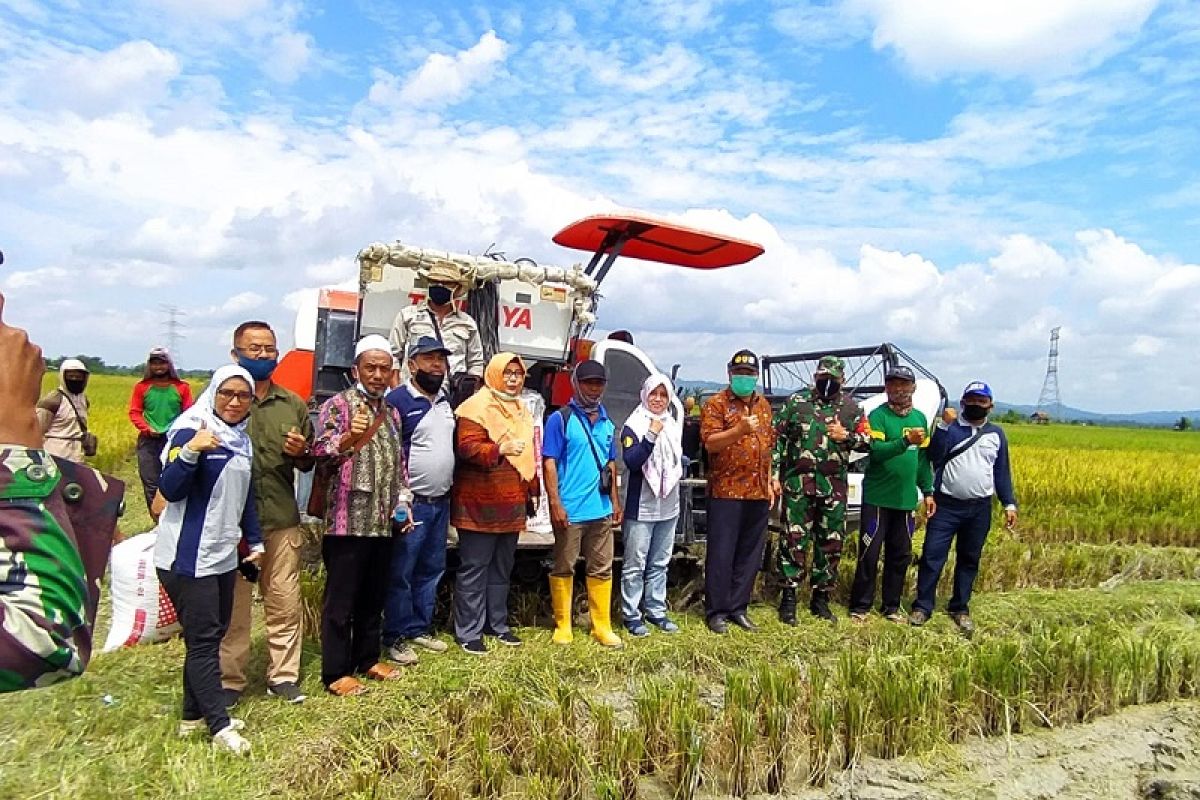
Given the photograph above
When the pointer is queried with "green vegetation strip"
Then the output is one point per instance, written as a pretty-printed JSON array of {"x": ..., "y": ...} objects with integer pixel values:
[{"x": 736, "y": 714}]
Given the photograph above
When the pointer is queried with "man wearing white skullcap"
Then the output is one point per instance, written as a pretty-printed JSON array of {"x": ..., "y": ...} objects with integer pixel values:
[
  {"x": 359, "y": 442},
  {"x": 63, "y": 413}
]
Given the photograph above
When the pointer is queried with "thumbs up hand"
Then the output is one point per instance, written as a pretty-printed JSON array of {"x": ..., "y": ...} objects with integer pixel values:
[
  {"x": 204, "y": 440},
  {"x": 360, "y": 422}
]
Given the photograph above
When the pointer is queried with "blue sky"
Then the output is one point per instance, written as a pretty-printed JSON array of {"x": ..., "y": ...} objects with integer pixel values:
[{"x": 957, "y": 177}]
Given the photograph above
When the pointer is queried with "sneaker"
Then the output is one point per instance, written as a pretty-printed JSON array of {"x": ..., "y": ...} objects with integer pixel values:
[
  {"x": 430, "y": 643},
  {"x": 475, "y": 647},
  {"x": 508, "y": 638},
  {"x": 288, "y": 691},
  {"x": 917, "y": 618},
  {"x": 229, "y": 740},
  {"x": 402, "y": 654},
  {"x": 189, "y": 726},
  {"x": 665, "y": 624},
  {"x": 232, "y": 697},
  {"x": 637, "y": 628},
  {"x": 966, "y": 625},
  {"x": 858, "y": 617}
]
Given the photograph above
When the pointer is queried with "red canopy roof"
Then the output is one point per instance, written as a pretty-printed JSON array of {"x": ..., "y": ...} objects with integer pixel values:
[{"x": 658, "y": 240}]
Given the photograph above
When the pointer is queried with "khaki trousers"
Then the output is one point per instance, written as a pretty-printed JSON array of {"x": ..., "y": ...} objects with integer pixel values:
[
  {"x": 594, "y": 538},
  {"x": 279, "y": 582}
]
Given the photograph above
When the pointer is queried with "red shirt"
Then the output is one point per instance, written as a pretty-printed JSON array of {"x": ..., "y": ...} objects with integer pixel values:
[{"x": 742, "y": 471}]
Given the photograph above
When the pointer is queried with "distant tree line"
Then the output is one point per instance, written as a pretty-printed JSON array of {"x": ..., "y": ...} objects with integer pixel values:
[{"x": 97, "y": 366}]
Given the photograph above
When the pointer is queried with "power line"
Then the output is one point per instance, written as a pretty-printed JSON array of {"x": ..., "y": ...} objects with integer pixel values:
[
  {"x": 1050, "y": 401},
  {"x": 173, "y": 328}
]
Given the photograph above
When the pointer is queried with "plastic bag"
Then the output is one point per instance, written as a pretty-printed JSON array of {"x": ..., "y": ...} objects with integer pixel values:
[{"x": 141, "y": 610}]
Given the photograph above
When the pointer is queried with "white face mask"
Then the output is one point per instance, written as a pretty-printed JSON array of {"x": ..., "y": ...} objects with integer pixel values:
[{"x": 363, "y": 389}]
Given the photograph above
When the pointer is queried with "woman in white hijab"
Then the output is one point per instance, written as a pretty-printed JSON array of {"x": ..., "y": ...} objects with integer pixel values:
[
  {"x": 652, "y": 443},
  {"x": 210, "y": 510}
]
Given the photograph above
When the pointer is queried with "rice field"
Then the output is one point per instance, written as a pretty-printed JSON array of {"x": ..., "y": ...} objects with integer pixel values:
[{"x": 1089, "y": 606}]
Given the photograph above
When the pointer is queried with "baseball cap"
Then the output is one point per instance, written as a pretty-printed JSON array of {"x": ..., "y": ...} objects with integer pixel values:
[
  {"x": 161, "y": 353},
  {"x": 744, "y": 358},
  {"x": 590, "y": 370},
  {"x": 72, "y": 365},
  {"x": 901, "y": 373},
  {"x": 427, "y": 344},
  {"x": 978, "y": 387}
]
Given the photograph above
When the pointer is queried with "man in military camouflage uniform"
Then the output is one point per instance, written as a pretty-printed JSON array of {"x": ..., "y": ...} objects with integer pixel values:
[
  {"x": 817, "y": 429},
  {"x": 56, "y": 524}
]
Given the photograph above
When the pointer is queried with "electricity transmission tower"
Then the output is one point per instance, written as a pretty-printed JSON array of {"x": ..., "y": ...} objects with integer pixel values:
[
  {"x": 1050, "y": 401},
  {"x": 173, "y": 328}
]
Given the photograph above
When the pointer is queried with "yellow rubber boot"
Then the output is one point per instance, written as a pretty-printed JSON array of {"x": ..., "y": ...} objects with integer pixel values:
[
  {"x": 560, "y": 601},
  {"x": 600, "y": 606}
]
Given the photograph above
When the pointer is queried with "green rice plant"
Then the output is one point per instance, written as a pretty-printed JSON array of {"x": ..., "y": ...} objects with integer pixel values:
[
  {"x": 822, "y": 726},
  {"x": 690, "y": 746},
  {"x": 651, "y": 703},
  {"x": 740, "y": 721},
  {"x": 563, "y": 758},
  {"x": 540, "y": 786},
  {"x": 604, "y": 727},
  {"x": 628, "y": 755}
]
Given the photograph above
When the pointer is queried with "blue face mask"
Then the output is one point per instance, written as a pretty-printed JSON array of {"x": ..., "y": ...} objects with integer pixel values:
[
  {"x": 743, "y": 385},
  {"x": 259, "y": 368}
]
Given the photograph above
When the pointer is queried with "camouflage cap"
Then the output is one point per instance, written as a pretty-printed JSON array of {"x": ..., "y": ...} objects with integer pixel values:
[{"x": 832, "y": 366}]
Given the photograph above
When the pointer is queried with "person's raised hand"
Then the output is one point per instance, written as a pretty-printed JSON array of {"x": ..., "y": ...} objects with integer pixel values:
[
  {"x": 749, "y": 424},
  {"x": 360, "y": 422},
  {"x": 294, "y": 444},
  {"x": 204, "y": 440},
  {"x": 836, "y": 430},
  {"x": 21, "y": 370},
  {"x": 949, "y": 415},
  {"x": 914, "y": 435},
  {"x": 511, "y": 447},
  {"x": 656, "y": 426}
]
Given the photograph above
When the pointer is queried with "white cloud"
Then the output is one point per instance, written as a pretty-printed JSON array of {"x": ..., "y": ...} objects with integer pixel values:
[
  {"x": 1018, "y": 37},
  {"x": 223, "y": 10},
  {"x": 289, "y": 54},
  {"x": 127, "y": 78},
  {"x": 444, "y": 79}
]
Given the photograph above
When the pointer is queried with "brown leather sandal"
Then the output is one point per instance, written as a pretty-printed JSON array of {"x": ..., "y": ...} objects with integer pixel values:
[
  {"x": 349, "y": 686},
  {"x": 384, "y": 672}
]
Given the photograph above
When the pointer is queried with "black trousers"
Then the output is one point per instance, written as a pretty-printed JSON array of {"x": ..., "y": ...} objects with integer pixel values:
[
  {"x": 737, "y": 533},
  {"x": 204, "y": 606},
  {"x": 149, "y": 458},
  {"x": 481, "y": 583},
  {"x": 889, "y": 530},
  {"x": 357, "y": 569}
]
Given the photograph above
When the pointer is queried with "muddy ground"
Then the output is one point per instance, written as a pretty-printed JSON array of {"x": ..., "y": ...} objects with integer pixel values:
[{"x": 1150, "y": 752}]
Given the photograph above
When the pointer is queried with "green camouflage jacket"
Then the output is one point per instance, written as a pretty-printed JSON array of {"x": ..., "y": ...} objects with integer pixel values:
[
  {"x": 56, "y": 526},
  {"x": 806, "y": 460}
]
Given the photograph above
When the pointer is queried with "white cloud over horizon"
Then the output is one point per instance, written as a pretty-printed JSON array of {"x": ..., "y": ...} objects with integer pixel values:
[{"x": 132, "y": 176}]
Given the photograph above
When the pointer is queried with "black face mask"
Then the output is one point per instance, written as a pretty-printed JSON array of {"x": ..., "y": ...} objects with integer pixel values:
[
  {"x": 828, "y": 387},
  {"x": 440, "y": 295},
  {"x": 429, "y": 382},
  {"x": 75, "y": 387},
  {"x": 974, "y": 413}
]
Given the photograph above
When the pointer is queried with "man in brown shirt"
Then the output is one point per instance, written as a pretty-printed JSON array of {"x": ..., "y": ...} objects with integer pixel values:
[{"x": 735, "y": 426}]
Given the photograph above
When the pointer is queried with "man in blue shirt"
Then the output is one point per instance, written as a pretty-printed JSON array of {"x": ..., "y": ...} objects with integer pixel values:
[
  {"x": 579, "y": 452},
  {"x": 970, "y": 464},
  {"x": 419, "y": 555}
]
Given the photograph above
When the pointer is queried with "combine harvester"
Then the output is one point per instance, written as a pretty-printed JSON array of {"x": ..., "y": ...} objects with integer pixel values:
[{"x": 546, "y": 314}]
